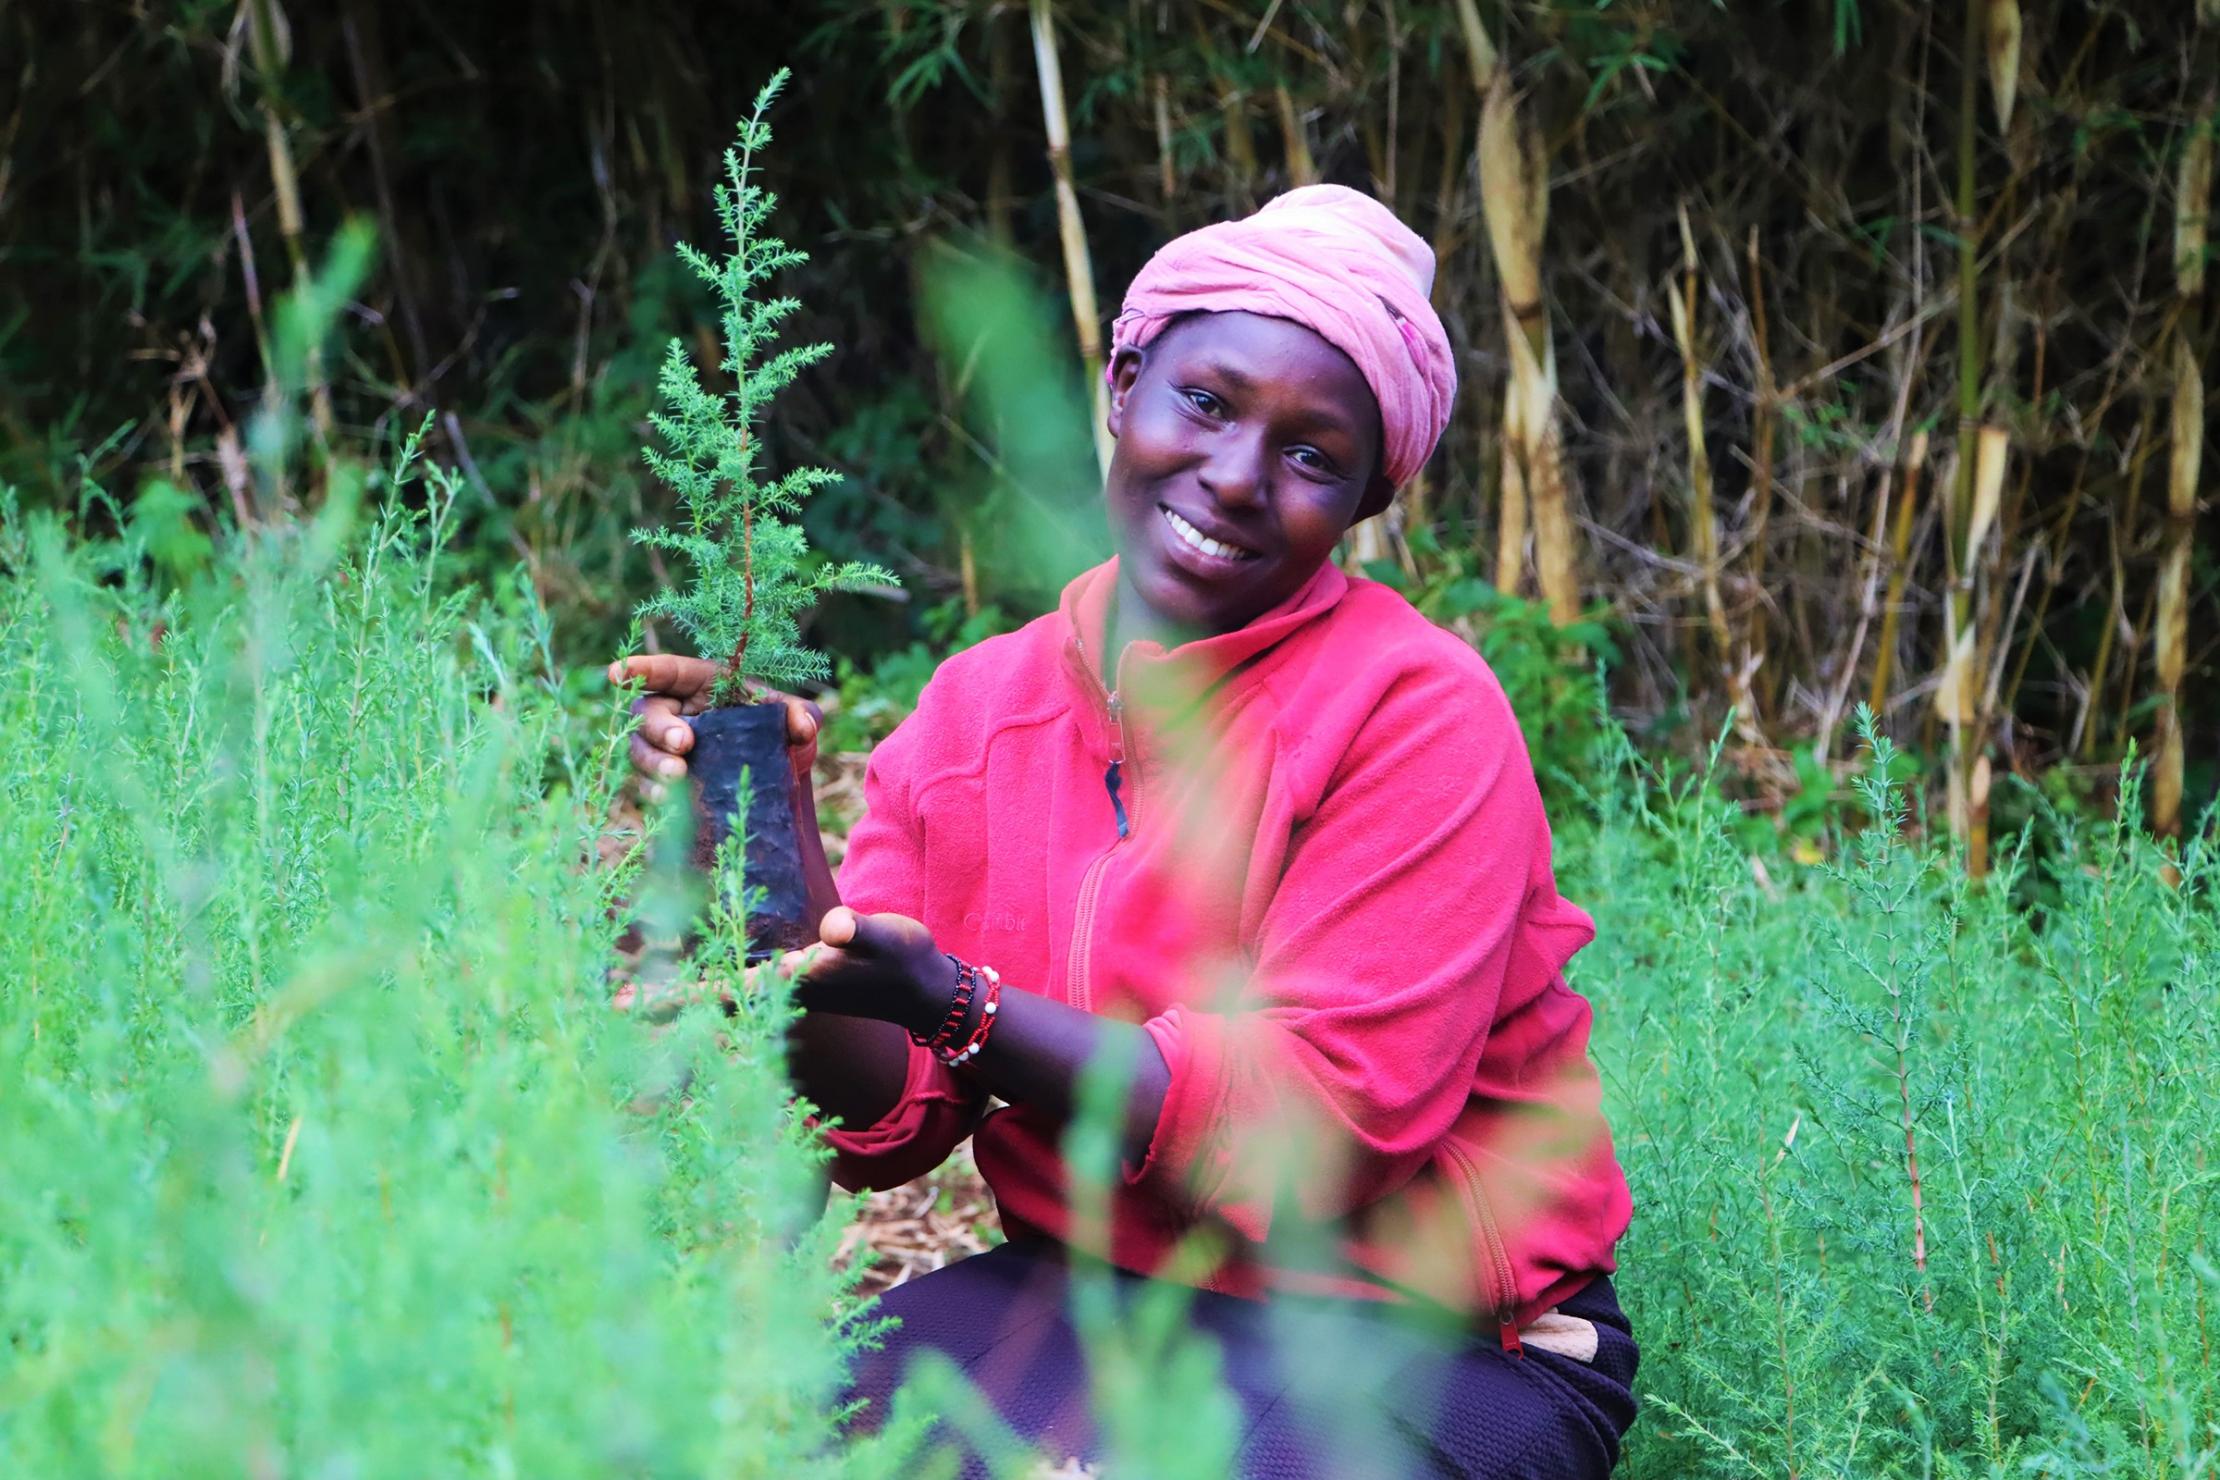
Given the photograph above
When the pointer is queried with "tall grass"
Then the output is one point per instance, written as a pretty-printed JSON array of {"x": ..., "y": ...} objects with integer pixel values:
[
  {"x": 323, "y": 1151},
  {"x": 1920, "y": 1168}
]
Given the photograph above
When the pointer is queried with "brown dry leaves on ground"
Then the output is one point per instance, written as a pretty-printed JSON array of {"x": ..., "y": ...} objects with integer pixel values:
[{"x": 916, "y": 1228}]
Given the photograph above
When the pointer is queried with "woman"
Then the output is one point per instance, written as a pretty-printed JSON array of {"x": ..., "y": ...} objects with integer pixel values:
[{"x": 1267, "y": 836}]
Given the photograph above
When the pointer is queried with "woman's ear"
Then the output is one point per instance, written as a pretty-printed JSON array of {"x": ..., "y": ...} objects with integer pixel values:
[{"x": 1125, "y": 369}]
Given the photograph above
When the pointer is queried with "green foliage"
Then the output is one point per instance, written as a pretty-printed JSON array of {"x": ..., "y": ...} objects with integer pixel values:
[
  {"x": 753, "y": 576},
  {"x": 1919, "y": 1169},
  {"x": 325, "y": 1151},
  {"x": 1037, "y": 521},
  {"x": 324, "y": 1148}
]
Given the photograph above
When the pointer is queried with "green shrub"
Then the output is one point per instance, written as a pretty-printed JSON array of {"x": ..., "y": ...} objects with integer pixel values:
[
  {"x": 1779, "y": 1052},
  {"x": 324, "y": 1151}
]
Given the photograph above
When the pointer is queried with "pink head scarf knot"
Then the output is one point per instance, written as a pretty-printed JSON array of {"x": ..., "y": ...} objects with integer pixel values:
[{"x": 1340, "y": 264}]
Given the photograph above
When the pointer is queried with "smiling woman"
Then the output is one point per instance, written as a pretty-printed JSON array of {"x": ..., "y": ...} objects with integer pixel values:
[
  {"x": 1246, "y": 446},
  {"x": 1265, "y": 835}
]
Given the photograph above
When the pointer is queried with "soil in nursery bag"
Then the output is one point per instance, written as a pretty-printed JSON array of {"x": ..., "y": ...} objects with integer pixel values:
[{"x": 750, "y": 740}]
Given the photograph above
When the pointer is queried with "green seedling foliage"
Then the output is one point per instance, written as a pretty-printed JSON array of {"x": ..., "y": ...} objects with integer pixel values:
[
  {"x": 754, "y": 577},
  {"x": 325, "y": 1151}
]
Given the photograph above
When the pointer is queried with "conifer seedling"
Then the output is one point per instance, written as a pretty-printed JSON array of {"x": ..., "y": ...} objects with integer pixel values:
[{"x": 753, "y": 577}]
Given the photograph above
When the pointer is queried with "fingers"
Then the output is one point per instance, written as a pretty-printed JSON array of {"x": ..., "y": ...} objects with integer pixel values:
[
  {"x": 800, "y": 963},
  {"x": 662, "y": 724},
  {"x": 683, "y": 678},
  {"x": 803, "y": 719},
  {"x": 652, "y": 762},
  {"x": 881, "y": 938},
  {"x": 839, "y": 926},
  {"x": 660, "y": 739}
]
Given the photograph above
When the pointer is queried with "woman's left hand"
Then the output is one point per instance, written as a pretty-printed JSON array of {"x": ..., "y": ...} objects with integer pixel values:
[{"x": 875, "y": 966}]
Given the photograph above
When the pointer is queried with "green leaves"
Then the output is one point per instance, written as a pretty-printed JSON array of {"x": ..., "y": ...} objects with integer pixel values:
[
  {"x": 322, "y": 1141},
  {"x": 754, "y": 576}
]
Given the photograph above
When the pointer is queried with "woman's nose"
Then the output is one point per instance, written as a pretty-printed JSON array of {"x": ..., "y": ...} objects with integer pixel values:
[{"x": 1235, "y": 474}]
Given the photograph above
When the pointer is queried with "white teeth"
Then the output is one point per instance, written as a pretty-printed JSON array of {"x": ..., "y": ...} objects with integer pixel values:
[{"x": 1203, "y": 542}]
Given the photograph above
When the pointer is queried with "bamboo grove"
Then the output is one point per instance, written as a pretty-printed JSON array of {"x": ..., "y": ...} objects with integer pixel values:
[{"x": 1830, "y": 351}]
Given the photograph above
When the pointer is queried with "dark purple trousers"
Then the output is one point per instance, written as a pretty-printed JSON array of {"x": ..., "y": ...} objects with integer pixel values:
[{"x": 1326, "y": 1388}]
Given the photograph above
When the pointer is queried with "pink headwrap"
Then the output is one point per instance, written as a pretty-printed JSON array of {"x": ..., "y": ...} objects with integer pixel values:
[{"x": 1340, "y": 264}]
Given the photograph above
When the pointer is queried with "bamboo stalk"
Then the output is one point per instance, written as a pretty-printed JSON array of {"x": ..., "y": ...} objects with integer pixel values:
[
  {"x": 1514, "y": 196},
  {"x": 1387, "y": 176},
  {"x": 1957, "y": 698},
  {"x": 1079, "y": 271},
  {"x": 2192, "y": 205},
  {"x": 1452, "y": 116},
  {"x": 2083, "y": 738},
  {"x": 1953, "y": 694},
  {"x": 2138, "y": 634},
  {"x": 1480, "y": 52},
  {"x": 269, "y": 49},
  {"x": 2003, "y": 45},
  {"x": 1701, "y": 513},
  {"x": 1233, "y": 115},
  {"x": 1301, "y": 170},
  {"x": 1167, "y": 174},
  {"x": 1900, "y": 544},
  {"x": 2183, "y": 467},
  {"x": 1763, "y": 410},
  {"x": 1372, "y": 542}
]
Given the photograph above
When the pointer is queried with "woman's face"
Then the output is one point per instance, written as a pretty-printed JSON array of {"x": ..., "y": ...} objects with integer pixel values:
[{"x": 1245, "y": 446}]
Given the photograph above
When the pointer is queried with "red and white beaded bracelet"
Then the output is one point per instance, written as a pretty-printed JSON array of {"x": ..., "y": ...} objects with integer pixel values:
[
  {"x": 990, "y": 1004},
  {"x": 959, "y": 1010}
]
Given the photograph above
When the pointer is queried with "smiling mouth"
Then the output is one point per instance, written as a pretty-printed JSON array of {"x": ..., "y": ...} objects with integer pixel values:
[{"x": 1202, "y": 543}]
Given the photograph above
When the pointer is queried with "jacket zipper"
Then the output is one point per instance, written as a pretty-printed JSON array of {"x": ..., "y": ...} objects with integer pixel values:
[
  {"x": 1499, "y": 1262},
  {"x": 1078, "y": 989}
]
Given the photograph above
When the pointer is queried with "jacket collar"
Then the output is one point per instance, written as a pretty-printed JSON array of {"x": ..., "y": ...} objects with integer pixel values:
[{"x": 1156, "y": 684}]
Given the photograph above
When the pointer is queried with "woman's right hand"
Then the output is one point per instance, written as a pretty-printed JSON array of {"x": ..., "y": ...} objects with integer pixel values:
[{"x": 676, "y": 687}]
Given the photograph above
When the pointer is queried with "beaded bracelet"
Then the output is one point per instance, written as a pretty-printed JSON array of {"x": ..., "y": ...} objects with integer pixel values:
[
  {"x": 959, "y": 1010},
  {"x": 990, "y": 1005}
]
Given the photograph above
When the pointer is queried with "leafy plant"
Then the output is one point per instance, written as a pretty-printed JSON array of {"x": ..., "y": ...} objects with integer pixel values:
[
  {"x": 323, "y": 1146},
  {"x": 753, "y": 575}
]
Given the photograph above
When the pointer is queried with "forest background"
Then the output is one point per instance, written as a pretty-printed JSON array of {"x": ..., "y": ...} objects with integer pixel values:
[{"x": 1811, "y": 352}]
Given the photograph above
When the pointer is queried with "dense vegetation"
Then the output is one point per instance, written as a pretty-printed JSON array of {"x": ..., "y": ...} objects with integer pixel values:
[
  {"x": 325, "y": 1153},
  {"x": 325, "y": 1149}
]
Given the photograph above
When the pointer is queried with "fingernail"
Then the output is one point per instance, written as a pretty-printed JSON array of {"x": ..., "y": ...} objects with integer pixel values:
[{"x": 671, "y": 768}]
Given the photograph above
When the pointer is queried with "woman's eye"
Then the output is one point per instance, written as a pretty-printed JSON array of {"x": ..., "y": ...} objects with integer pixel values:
[
  {"x": 1202, "y": 401},
  {"x": 1313, "y": 459}
]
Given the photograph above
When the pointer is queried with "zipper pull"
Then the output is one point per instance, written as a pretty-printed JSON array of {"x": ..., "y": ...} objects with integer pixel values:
[
  {"x": 1112, "y": 780},
  {"x": 1507, "y": 1330},
  {"x": 1117, "y": 728}
]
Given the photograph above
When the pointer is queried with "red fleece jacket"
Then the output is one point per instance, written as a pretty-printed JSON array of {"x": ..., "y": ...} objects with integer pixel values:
[{"x": 1323, "y": 884}]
